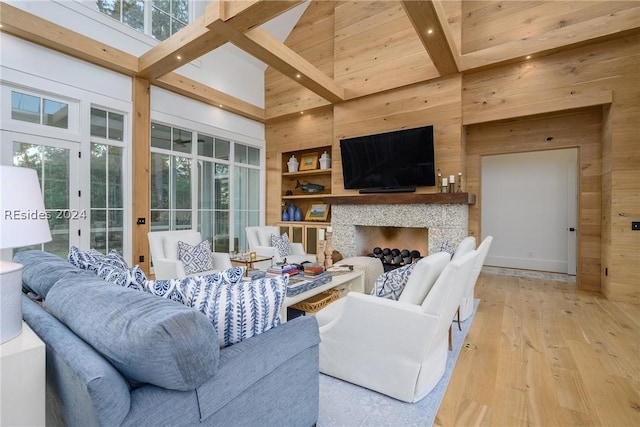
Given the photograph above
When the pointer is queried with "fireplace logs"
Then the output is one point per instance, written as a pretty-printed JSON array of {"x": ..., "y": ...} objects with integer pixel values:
[{"x": 394, "y": 258}]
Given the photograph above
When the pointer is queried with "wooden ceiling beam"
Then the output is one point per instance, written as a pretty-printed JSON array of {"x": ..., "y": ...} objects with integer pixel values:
[
  {"x": 197, "y": 38},
  {"x": 179, "y": 84},
  {"x": 34, "y": 29},
  {"x": 271, "y": 51},
  {"x": 429, "y": 21}
]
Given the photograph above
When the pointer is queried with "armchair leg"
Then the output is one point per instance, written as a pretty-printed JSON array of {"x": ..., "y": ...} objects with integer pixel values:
[
  {"x": 450, "y": 340},
  {"x": 458, "y": 317}
]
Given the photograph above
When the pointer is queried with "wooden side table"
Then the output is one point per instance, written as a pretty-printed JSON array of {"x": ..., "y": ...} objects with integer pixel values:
[{"x": 22, "y": 380}]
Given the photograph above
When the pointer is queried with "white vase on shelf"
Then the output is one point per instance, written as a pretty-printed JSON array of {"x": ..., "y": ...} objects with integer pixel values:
[
  {"x": 325, "y": 161},
  {"x": 293, "y": 164}
]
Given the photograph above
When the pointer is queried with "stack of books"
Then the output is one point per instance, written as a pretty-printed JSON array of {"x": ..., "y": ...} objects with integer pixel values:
[
  {"x": 313, "y": 270},
  {"x": 280, "y": 269}
]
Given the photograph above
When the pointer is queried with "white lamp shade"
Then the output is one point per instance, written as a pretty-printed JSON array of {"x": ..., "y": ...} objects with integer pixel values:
[{"x": 23, "y": 219}]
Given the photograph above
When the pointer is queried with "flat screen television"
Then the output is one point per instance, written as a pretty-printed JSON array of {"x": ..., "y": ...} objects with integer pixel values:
[{"x": 395, "y": 161}]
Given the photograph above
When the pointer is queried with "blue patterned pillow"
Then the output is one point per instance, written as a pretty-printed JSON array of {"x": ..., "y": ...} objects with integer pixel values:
[
  {"x": 85, "y": 260},
  {"x": 195, "y": 259},
  {"x": 172, "y": 288},
  {"x": 391, "y": 284},
  {"x": 237, "y": 310},
  {"x": 281, "y": 243}
]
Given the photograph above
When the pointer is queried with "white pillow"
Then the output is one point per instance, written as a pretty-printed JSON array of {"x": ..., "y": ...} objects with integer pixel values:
[{"x": 195, "y": 259}]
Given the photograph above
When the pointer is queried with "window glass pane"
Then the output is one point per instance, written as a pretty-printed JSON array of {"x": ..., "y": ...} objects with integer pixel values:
[
  {"x": 182, "y": 183},
  {"x": 56, "y": 114},
  {"x": 160, "y": 136},
  {"x": 205, "y": 185},
  {"x": 98, "y": 123},
  {"x": 176, "y": 26},
  {"x": 25, "y": 107},
  {"x": 183, "y": 220},
  {"x": 253, "y": 156},
  {"x": 116, "y": 126},
  {"x": 160, "y": 220},
  {"x": 116, "y": 225},
  {"x": 222, "y": 186},
  {"x": 133, "y": 14},
  {"x": 115, "y": 177},
  {"x": 160, "y": 23},
  {"x": 98, "y": 176},
  {"x": 110, "y": 8},
  {"x": 159, "y": 181},
  {"x": 163, "y": 5},
  {"x": 205, "y": 145},
  {"x": 240, "y": 152},
  {"x": 55, "y": 177},
  {"x": 98, "y": 234},
  {"x": 253, "y": 189},
  {"x": 221, "y": 239},
  {"x": 180, "y": 10},
  {"x": 182, "y": 140},
  {"x": 223, "y": 149}
]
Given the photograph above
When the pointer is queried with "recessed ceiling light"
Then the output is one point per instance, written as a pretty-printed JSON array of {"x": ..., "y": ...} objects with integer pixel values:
[
  {"x": 298, "y": 76},
  {"x": 179, "y": 57},
  {"x": 430, "y": 31},
  {"x": 528, "y": 56},
  {"x": 301, "y": 112}
]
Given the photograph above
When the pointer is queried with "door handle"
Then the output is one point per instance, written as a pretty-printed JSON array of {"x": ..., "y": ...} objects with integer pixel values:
[{"x": 572, "y": 229}]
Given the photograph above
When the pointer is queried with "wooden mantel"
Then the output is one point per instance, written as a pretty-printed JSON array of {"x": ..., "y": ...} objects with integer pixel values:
[{"x": 401, "y": 198}]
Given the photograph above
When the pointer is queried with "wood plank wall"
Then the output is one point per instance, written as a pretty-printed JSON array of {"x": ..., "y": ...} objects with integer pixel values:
[{"x": 603, "y": 77}]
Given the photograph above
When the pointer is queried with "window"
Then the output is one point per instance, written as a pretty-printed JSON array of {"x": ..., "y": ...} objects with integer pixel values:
[
  {"x": 38, "y": 110},
  {"x": 158, "y": 18},
  {"x": 225, "y": 182},
  {"x": 107, "y": 192}
]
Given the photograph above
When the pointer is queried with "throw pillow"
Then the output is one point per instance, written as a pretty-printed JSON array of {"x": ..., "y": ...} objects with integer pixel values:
[
  {"x": 85, "y": 260},
  {"x": 172, "y": 288},
  {"x": 281, "y": 243},
  {"x": 391, "y": 284},
  {"x": 237, "y": 310},
  {"x": 195, "y": 259}
]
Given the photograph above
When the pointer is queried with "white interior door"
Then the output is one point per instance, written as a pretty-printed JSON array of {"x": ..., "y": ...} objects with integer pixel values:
[{"x": 524, "y": 207}]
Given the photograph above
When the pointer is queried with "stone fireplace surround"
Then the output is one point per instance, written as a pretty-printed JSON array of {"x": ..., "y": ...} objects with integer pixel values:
[{"x": 445, "y": 216}]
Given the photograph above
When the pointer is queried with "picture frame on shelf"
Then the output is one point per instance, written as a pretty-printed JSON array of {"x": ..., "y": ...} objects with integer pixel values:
[
  {"x": 308, "y": 162},
  {"x": 317, "y": 212}
]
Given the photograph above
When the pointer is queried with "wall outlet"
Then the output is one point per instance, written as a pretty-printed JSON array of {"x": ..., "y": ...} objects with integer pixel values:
[
  {"x": 635, "y": 225},
  {"x": 141, "y": 258}
]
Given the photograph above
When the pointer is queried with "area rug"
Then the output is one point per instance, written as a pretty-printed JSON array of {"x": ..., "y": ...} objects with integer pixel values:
[{"x": 343, "y": 404}]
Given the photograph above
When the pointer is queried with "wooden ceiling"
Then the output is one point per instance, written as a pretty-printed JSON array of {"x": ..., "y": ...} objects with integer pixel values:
[{"x": 437, "y": 26}]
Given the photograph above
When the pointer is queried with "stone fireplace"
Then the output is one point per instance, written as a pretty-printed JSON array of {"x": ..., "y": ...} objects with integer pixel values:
[
  {"x": 410, "y": 238},
  {"x": 442, "y": 218}
]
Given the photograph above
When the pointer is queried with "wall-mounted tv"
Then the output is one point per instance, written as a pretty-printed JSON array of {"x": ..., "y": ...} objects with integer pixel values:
[{"x": 395, "y": 161}]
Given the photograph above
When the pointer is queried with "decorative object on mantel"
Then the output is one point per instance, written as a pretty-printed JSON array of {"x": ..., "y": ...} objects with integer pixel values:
[
  {"x": 310, "y": 187},
  {"x": 293, "y": 164},
  {"x": 325, "y": 161},
  {"x": 459, "y": 182},
  {"x": 445, "y": 185},
  {"x": 439, "y": 181},
  {"x": 452, "y": 183}
]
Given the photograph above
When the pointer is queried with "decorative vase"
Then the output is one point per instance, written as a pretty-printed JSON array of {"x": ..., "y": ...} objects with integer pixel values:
[
  {"x": 285, "y": 215},
  {"x": 292, "y": 164},
  {"x": 292, "y": 211},
  {"x": 298, "y": 215},
  {"x": 325, "y": 161}
]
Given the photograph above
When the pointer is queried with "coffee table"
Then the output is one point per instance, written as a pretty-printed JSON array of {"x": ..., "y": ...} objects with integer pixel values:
[
  {"x": 247, "y": 262},
  {"x": 345, "y": 282}
]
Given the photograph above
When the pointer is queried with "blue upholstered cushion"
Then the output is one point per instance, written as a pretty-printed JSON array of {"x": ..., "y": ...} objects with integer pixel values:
[
  {"x": 41, "y": 270},
  {"x": 195, "y": 259},
  {"x": 391, "y": 284},
  {"x": 148, "y": 339}
]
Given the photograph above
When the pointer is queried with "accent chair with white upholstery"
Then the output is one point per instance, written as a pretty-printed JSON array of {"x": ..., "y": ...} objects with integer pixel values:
[
  {"x": 466, "y": 304},
  {"x": 164, "y": 254},
  {"x": 466, "y": 245},
  {"x": 259, "y": 241},
  {"x": 393, "y": 347}
]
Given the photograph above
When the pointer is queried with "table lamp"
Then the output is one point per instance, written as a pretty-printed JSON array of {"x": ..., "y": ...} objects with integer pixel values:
[{"x": 23, "y": 222}]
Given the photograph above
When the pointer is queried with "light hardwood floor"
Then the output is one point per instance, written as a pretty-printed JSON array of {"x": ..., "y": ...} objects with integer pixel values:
[{"x": 541, "y": 353}]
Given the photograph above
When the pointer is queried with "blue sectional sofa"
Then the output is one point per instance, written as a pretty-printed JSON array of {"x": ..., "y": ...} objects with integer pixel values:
[{"x": 122, "y": 357}]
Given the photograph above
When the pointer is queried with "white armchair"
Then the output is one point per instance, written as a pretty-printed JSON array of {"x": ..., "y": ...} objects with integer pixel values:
[
  {"x": 259, "y": 241},
  {"x": 393, "y": 347},
  {"x": 164, "y": 253},
  {"x": 466, "y": 304}
]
